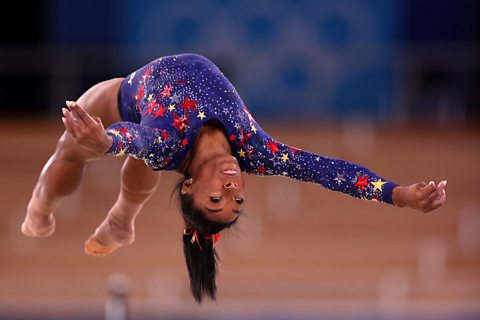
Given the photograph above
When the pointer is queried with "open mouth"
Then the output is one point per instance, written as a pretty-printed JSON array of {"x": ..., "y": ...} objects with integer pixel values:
[{"x": 230, "y": 172}]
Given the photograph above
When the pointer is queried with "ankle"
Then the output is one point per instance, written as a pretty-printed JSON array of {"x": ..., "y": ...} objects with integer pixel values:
[
  {"x": 125, "y": 208},
  {"x": 120, "y": 222},
  {"x": 37, "y": 207}
]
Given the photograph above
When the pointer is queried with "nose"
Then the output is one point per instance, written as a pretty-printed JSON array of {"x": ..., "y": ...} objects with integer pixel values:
[{"x": 230, "y": 185}]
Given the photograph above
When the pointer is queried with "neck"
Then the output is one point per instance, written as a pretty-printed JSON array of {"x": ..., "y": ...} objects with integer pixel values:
[{"x": 210, "y": 143}]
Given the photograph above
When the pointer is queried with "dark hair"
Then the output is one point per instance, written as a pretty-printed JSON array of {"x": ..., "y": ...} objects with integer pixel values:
[{"x": 200, "y": 254}]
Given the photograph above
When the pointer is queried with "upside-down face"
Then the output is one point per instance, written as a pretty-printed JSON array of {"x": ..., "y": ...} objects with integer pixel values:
[{"x": 217, "y": 189}]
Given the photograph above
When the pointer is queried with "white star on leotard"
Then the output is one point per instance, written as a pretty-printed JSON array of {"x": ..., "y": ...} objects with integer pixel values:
[
  {"x": 131, "y": 78},
  {"x": 175, "y": 98},
  {"x": 339, "y": 179},
  {"x": 275, "y": 161}
]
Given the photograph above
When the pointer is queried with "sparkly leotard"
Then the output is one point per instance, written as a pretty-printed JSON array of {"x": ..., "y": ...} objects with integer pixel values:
[{"x": 164, "y": 104}]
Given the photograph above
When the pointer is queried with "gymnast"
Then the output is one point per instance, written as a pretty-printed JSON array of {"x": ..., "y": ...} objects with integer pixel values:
[{"x": 181, "y": 113}]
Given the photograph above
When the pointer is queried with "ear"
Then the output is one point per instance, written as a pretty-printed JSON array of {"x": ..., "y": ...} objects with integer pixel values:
[{"x": 186, "y": 186}]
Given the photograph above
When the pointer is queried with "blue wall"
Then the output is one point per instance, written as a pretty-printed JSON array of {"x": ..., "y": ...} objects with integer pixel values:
[{"x": 315, "y": 58}]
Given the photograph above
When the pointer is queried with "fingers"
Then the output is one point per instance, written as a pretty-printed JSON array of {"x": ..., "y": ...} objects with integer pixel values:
[
  {"x": 426, "y": 204},
  {"x": 67, "y": 126},
  {"x": 438, "y": 191},
  {"x": 85, "y": 130},
  {"x": 435, "y": 199},
  {"x": 69, "y": 122},
  {"x": 427, "y": 190},
  {"x": 98, "y": 121},
  {"x": 427, "y": 197},
  {"x": 442, "y": 194},
  {"x": 73, "y": 122},
  {"x": 442, "y": 185},
  {"x": 80, "y": 113},
  {"x": 438, "y": 201},
  {"x": 433, "y": 196},
  {"x": 420, "y": 185}
]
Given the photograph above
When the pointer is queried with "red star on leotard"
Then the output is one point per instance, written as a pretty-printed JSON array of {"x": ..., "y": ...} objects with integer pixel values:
[
  {"x": 165, "y": 135},
  {"x": 184, "y": 142},
  {"x": 125, "y": 132},
  {"x": 188, "y": 104},
  {"x": 166, "y": 91},
  {"x": 151, "y": 105},
  {"x": 261, "y": 170},
  {"x": 159, "y": 112},
  {"x": 233, "y": 137},
  {"x": 244, "y": 138},
  {"x": 179, "y": 123},
  {"x": 273, "y": 147},
  {"x": 147, "y": 73},
  {"x": 361, "y": 182}
]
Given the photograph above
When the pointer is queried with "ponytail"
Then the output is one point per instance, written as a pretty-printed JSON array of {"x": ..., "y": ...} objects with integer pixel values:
[{"x": 200, "y": 257}]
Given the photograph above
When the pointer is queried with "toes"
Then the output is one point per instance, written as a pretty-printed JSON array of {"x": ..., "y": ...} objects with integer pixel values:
[{"x": 94, "y": 248}]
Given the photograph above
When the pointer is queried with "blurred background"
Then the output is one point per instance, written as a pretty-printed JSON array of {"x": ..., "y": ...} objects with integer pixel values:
[{"x": 393, "y": 85}]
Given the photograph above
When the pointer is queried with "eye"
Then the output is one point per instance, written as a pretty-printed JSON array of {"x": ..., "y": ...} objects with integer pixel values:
[
  {"x": 215, "y": 199},
  {"x": 239, "y": 200}
]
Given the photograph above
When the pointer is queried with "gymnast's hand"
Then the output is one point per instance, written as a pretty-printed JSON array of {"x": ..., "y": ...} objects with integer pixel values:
[
  {"x": 420, "y": 196},
  {"x": 86, "y": 130}
]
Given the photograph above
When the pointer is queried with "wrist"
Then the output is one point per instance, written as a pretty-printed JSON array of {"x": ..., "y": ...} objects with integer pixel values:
[
  {"x": 399, "y": 198},
  {"x": 108, "y": 143}
]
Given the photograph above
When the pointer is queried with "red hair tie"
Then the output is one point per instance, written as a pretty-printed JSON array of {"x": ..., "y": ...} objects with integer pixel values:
[{"x": 194, "y": 233}]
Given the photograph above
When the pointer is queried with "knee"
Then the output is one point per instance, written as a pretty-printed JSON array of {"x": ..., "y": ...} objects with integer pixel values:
[
  {"x": 68, "y": 150},
  {"x": 138, "y": 181},
  {"x": 136, "y": 193}
]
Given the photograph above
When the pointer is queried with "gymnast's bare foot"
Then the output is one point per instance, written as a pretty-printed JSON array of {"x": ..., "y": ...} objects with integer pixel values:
[
  {"x": 112, "y": 234},
  {"x": 37, "y": 223}
]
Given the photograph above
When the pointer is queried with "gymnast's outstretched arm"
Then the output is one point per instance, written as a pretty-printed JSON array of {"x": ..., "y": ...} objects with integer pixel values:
[{"x": 355, "y": 180}]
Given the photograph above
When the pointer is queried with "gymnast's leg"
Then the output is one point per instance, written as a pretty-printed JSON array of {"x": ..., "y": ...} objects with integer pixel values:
[
  {"x": 138, "y": 182},
  {"x": 63, "y": 172}
]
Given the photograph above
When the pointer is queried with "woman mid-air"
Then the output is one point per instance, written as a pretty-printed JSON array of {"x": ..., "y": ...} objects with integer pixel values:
[{"x": 181, "y": 113}]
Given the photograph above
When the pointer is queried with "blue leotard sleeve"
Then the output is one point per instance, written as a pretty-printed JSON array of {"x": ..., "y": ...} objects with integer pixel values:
[
  {"x": 152, "y": 145},
  {"x": 270, "y": 157}
]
